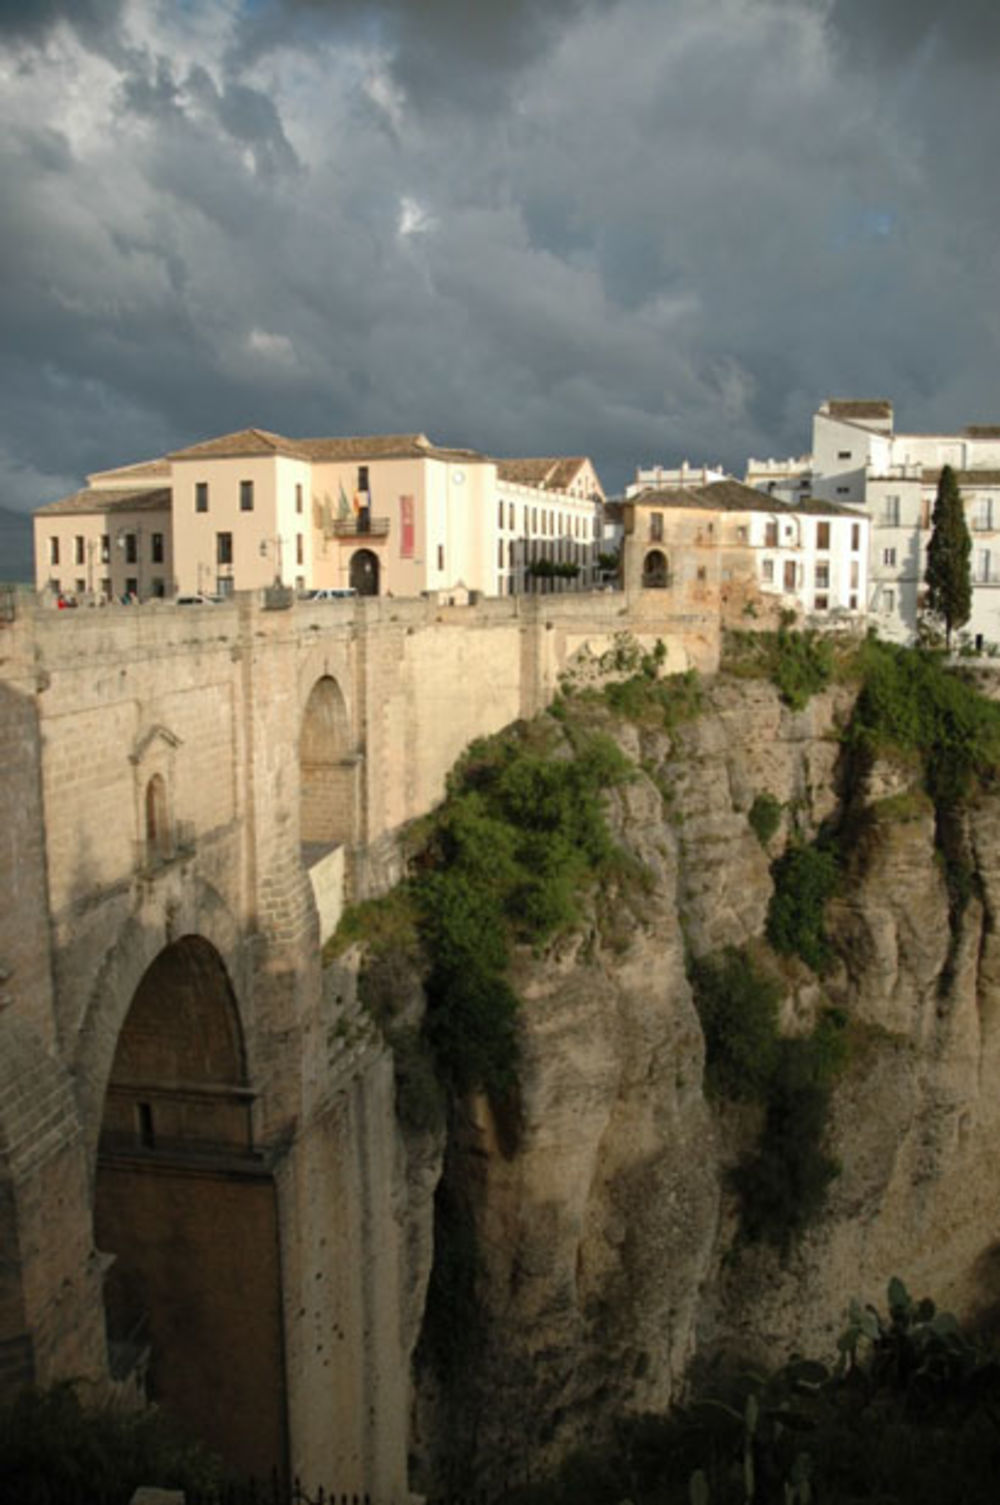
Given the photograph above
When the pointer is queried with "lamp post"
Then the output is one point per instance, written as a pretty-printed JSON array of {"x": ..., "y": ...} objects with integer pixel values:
[{"x": 265, "y": 544}]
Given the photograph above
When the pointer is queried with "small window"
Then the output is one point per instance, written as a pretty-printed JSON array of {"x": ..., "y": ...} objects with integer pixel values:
[
  {"x": 822, "y": 535},
  {"x": 889, "y": 601},
  {"x": 889, "y": 557},
  {"x": 246, "y": 496},
  {"x": 144, "y": 1125},
  {"x": 843, "y": 454},
  {"x": 440, "y": 556},
  {"x": 298, "y": 496},
  {"x": 79, "y": 549},
  {"x": 131, "y": 585},
  {"x": 53, "y": 551},
  {"x": 822, "y": 603},
  {"x": 157, "y": 588},
  {"x": 500, "y": 553},
  {"x": 201, "y": 496},
  {"x": 855, "y": 537},
  {"x": 510, "y": 516},
  {"x": 771, "y": 535},
  {"x": 855, "y": 574},
  {"x": 854, "y": 603},
  {"x": 223, "y": 548},
  {"x": 890, "y": 515},
  {"x": 300, "y": 549},
  {"x": 822, "y": 576},
  {"x": 843, "y": 490},
  {"x": 106, "y": 588},
  {"x": 80, "y": 587},
  {"x": 362, "y": 477},
  {"x": 105, "y": 548},
  {"x": 156, "y": 548},
  {"x": 131, "y": 549},
  {"x": 767, "y": 570},
  {"x": 656, "y": 527},
  {"x": 499, "y": 514},
  {"x": 223, "y": 585}
]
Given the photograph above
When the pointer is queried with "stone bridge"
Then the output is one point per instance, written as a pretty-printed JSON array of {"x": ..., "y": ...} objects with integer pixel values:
[{"x": 202, "y": 1192}]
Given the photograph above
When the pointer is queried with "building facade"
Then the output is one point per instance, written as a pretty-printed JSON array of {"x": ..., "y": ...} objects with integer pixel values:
[{"x": 381, "y": 515}]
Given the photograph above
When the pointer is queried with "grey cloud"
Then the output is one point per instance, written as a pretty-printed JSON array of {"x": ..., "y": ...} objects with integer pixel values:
[{"x": 30, "y": 20}]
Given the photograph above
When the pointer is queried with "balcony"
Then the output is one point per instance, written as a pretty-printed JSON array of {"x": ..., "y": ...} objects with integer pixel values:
[
  {"x": 362, "y": 526},
  {"x": 983, "y": 525},
  {"x": 986, "y": 577}
]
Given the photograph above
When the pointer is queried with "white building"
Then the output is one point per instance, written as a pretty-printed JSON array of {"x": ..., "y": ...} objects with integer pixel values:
[
  {"x": 859, "y": 460},
  {"x": 667, "y": 478}
]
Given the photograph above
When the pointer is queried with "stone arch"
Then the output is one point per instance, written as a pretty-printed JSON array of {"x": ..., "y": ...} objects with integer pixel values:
[
  {"x": 186, "y": 1215},
  {"x": 655, "y": 572},
  {"x": 327, "y": 769},
  {"x": 364, "y": 572}
]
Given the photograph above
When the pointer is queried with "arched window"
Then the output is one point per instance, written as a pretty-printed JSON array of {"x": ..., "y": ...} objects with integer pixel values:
[
  {"x": 158, "y": 838},
  {"x": 655, "y": 575}
]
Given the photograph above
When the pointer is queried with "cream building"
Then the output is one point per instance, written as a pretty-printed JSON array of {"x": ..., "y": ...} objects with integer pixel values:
[
  {"x": 726, "y": 538},
  {"x": 383, "y": 515}
]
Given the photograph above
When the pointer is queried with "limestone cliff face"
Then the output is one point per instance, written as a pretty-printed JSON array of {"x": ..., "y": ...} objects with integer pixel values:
[{"x": 607, "y": 1240}]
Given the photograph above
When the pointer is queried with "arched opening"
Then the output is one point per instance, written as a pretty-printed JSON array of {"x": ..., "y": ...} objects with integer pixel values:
[
  {"x": 364, "y": 572},
  {"x": 158, "y": 838},
  {"x": 327, "y": 769},
  {"x": 187, "y": 1211},
  {"x": 655, "y": 575}
]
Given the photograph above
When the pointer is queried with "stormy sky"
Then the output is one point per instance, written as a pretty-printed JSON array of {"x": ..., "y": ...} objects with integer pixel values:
[{"x": 639, "y": 229}]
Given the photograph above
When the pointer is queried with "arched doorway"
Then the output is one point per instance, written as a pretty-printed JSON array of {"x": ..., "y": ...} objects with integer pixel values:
[
  {"x": 327, "y": 769},
  {"x": 187, "y": 1210},
  {"x": 655, "y": 575},
  {"x": 364, "y": 572}
]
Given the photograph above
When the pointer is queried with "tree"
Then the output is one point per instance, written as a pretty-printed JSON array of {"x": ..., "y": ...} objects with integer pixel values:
[{"x": 948, "y": 577}]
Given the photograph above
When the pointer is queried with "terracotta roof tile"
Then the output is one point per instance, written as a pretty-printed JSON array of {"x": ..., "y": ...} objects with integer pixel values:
[
  {"x": 845, "y": 407},
  {"x": 243, "y": 444},
  {"x": 152, "y": 469},
  {"x": 547, "y": 473},
  {"x": 109, "y": 499},
  {"x": 733, "y": 496},
  {"x": 982, "y": 430}
]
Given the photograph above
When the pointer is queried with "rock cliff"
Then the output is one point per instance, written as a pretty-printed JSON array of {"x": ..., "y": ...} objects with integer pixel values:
[{"x": 607, "y": 1248}]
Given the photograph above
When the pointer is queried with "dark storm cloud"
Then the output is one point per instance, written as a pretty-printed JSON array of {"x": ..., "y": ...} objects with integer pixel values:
[
  {"x": 31, "y": 19},
  {"x": 644, "y": 229}
]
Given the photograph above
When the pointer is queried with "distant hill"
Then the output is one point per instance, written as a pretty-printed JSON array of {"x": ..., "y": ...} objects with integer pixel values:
[{"x": 16, "y": 546}]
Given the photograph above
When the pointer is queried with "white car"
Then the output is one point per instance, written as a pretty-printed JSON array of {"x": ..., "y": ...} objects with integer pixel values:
[
  {"x": 197, "y": 600},
  {"x": 330, "y": 593}
]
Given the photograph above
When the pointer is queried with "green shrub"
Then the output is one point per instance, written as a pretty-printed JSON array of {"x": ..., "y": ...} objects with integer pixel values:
[
  {"x": 648, "y": 700},
  {"x": 738, "y": 1008},
  {"x": 801, "y": 665},
  {"x": 764, "y": 817},
  {"x": 804, "y": 878}
]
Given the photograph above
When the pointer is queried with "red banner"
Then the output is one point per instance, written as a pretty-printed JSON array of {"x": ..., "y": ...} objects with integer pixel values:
[{"x": 406, "y": 527}]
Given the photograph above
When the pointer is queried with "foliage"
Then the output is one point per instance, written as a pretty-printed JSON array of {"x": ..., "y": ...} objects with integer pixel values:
[
  {"x": 53, "y": 1448},
  {"x": 799, "y": 664},
  {"x": 911, "y": 701},
  {"x": 909, "y": 1415},
  {"x": 804, "y": 878},
  {"x": 782, "y": 1184},
  {"x": 738, "y": 1008},
  {"x": 553, "y": 569},
  {"x": 649, "y": 700},
  {"x": 764, "y": 817},
  {"x": 948, "y": 578}
]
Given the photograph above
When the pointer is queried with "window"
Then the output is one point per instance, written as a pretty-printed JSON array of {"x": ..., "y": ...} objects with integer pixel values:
[
  {"x": 888, "y": 601},
  {"x": 53, "y": 551},
  {"x": 890, "y": 514},
  {"x": 105, "y": 548},
  {"x": 300, "y": 582},
  {"x": 889, "y": 557},
  {"x": 362, "y": 477},
  {"x": 156, "y": 548},
  {"x": 80, "y": 587},
  {"x": 854, "y": 603},
  {"x": 822, "y": 603},
  {"x": 499, "y": 514},
  {"x": 500, "y": 553},
  {"x": 246, "y": 496},
  {"x": 131, "y": 549},
  {"x": 79, "y": 549},
  {"x": 298, "y": 496},
  {"x": 982, "y": 574},
  {"x": 223, "y": 585},
  {"x": 300, "y": 549},
  {"x": 157, "y": 588},
  {"x": 925, "y": 513},
  {"x": 843, "y": 490},
  {"x": 656, "y": 527},
  {"x": 131, "y": 586},
  {"x": 843, "y": 454},
  {"x": 771, "y": 535},
  {"x": 822, "y": 535},
  {"x": 767, "y": 571},
  {"x": 223, "y": 548},
  {"x": 822, "y": 577},
  {"x": 510, "y": 516},
  {"x": 984, "y": 514},
  {"x": 440, "y": 556},
  {"x": 855, "y": 574},
  {"x": 201, "y": 496},
  {"x": 855, "y": 537}
]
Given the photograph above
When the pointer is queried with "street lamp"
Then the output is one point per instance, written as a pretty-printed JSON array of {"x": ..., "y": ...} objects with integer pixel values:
[{"x": 265, "y": 545}]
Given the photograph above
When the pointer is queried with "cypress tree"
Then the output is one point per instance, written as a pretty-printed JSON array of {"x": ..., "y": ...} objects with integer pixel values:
[{"x": 948, "y": 575}]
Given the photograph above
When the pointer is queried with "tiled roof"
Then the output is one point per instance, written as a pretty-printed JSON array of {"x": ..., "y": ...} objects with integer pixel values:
[
  {"x": 549, "y": 473},
  {"x": 845, "y": 407},
  {"x": 243, "y": 444},
  {"x": 965, "y": 478},
  {"x": 733, "y": 496},
  {"x": 250, "y": 443},
  {"x": 145, "y": 468},
  {"x": 982, "y": 431},
  {"x": 108, "y": 499}
]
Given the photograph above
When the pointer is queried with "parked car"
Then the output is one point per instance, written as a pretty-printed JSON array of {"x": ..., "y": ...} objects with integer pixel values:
[
  {"x": 330, "y": 593},
  {"x": 197, "y": 600}
]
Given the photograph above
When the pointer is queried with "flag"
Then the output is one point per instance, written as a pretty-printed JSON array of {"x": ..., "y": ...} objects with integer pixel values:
[{"x": 343, "y": 505}]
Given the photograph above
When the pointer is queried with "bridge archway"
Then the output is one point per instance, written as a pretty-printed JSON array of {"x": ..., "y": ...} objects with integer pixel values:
[
  {"x": 327, "y": 769},
  {"x": 187, "y": 1209}
]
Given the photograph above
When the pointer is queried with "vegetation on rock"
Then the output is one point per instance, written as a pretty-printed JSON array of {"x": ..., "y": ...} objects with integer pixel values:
[
  {"x": 764, "y": 817},
  {"x": 799, "y": 664}
]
